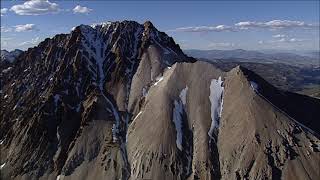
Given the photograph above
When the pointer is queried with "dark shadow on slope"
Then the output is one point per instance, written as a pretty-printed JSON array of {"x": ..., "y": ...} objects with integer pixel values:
[{"x": 303, "y": 109}]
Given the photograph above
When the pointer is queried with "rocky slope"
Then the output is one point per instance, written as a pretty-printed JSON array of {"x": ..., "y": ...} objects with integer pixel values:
[{"x": 120, "y": 100}]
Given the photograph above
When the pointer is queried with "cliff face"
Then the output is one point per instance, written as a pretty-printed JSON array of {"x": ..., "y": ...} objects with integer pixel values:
[{"x": 121, "y": 101}]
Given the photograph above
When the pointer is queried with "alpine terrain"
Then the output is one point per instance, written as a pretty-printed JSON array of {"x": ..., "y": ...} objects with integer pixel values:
[{"x": 120, "y": 100}]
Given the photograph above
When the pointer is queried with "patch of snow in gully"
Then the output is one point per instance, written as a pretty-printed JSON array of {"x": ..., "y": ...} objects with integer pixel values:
[
  {"x": 183, "y": 95},
  {"x": 60, "y": 177},
  {"x": 2, "y": 165},
  {"x": 1, "y": 142},
  {"x": 216, "y": 99},
  {"x": 158, "y": 79},
  {"x": 137, "y": 116},
  {"x": 177, "y": 119},
  {"x": 254, "y": 86},
  {"x": 177, "y": 116},
  {"x": 144, "y": 92},
  {"x": 6, "y": 70}
]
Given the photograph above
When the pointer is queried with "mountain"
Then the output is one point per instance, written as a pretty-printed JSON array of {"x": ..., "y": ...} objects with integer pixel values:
[
  {"x": 10, "y": 56},
  {"x": 120, "y": 100},
  {"x": 310, "y": 53},
  {"x": 256, "y": 56},
  {"x": 315, "y": 54},
  {"x": 7, "y": 58}
]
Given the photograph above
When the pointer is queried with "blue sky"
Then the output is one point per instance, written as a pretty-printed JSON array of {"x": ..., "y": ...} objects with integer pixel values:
[{"x": 252, "y": 25}]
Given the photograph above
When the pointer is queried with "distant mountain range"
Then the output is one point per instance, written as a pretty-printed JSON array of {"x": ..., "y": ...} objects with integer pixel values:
[
  {"x": 256, "y": 56},
  {"x": 10, "y": 56}
]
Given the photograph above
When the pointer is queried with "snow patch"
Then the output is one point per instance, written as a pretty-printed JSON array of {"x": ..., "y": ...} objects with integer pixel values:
[
  {"x": 1, "y": 142},
  {"x": 144, "y": 92},
  {"x": 114, "y": 133},
  {"x": 78, "y": 107},
  {"x": 158, "y": 79},
  {"x": 17, "y": 105},
  {"x": 57, "y": 134},
  {"x": 216, "y": 99},
  {"x": 177, "y": 120},
  {"x": 254, "y": 86},
  {"x": 102, "y": 24},
  {"x": 60, "y": 177},
  {"x": 56, "y": 99},
  {"x": 6, "y": 70},
  {"x": 2, "y": 165},
  {"x": 183, "y": 95},
  {"x": 137, "y": 116}
]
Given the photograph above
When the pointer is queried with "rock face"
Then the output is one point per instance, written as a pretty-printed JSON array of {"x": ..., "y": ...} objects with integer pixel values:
[{"x": 120, "y": 100}]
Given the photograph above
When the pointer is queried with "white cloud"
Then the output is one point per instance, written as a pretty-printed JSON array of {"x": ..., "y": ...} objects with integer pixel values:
[
  {"x": 25, "y": 27},
  {"x": 33, "y": 41},
  {"x": 3, "y": 11},
  {"x": 81, "y": 10},
  {"x": 218, "y": 28},
  {"x": 275, "y": 24},
  {"x": 296, "y": 40},
  {"x": 221, "y": 45},
  {"x": 285, "y": 39},
  {"x": 279, "y": 36},
  {"x": 5, "y": 29},
  {"x": 35, "y": 7},
  {"x": 245, "y": 25},
  {"x": 19, "y": 28}
]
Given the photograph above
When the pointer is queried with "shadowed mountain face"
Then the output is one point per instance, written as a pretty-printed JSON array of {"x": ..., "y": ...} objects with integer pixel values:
[{"x": 121, "y": 100}]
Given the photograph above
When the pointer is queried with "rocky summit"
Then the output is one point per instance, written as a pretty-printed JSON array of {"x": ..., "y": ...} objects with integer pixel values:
[{"x": 120, "y": 100}]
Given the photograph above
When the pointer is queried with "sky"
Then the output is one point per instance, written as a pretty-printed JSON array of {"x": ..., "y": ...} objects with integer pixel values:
[{"x": 250, "y": 25}]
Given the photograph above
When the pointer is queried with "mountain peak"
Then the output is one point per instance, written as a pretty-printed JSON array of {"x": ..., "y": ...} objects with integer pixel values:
[
  {"x": 148, "y": 24},
  {"x": 10, "y": 56}
]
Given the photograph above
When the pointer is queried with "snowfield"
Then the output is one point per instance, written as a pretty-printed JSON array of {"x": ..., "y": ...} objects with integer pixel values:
[
  {"x": 183, "y": 95},
  {"x": 177, "y": 116},
  {"x": 216, "y": 99},
  {"x": 177, "y": 120}
]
